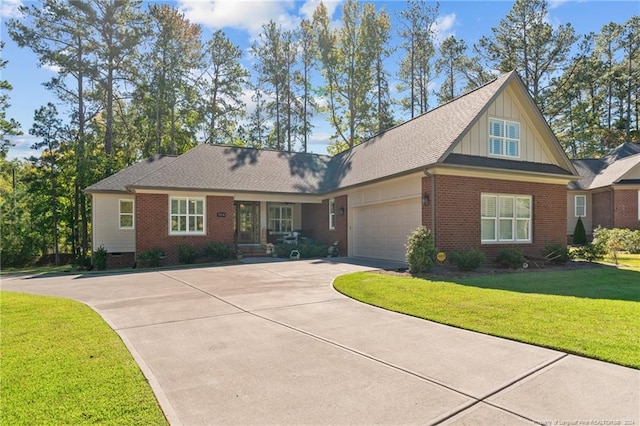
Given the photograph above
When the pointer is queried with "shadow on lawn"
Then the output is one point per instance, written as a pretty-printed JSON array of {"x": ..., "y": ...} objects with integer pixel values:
[{"x": 599, "y": 282}]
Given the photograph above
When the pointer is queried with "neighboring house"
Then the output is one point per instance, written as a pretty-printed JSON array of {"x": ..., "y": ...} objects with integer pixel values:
[
  {"x": 482, "y": 171},
  {"x": 608, "y": 194}
]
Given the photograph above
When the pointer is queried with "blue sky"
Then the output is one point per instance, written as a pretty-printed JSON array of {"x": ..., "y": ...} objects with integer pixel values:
[{"x": 242, "y": 20}]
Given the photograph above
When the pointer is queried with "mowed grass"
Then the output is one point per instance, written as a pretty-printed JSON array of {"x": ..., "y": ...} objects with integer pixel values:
[
  {"x": 590, "y": 312},
  {"x": 62, "y": 364}
]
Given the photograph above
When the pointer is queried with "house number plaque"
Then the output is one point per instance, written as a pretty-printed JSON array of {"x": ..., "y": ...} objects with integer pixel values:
[{"x": 222, "y": 214}]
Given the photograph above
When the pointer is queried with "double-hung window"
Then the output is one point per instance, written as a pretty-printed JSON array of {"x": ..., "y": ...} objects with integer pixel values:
[
  {"x": 504, "y": 138},
  {"x": 581, "y": 205},
  {"x": 332, "y": 214},
  {"x": 280, "y": 219},
  {"x": 126, "y": 214},
  {"x": 186, "y": 215},
  {"x": 505, "y": 218}
]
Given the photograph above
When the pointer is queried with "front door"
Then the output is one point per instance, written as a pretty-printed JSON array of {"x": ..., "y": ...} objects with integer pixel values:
[{"x": 247, "y": 222}]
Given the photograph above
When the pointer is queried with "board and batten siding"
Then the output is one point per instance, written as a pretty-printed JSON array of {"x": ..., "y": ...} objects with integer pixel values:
[
  {"x": 106, "y": 224},
  {"x": 506, "y": 107}
]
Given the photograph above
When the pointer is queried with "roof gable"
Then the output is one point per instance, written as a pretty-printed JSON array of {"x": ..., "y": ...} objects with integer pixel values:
[
  {"x": 622, "y": 163},
  {"x": 537, "y": 144}
]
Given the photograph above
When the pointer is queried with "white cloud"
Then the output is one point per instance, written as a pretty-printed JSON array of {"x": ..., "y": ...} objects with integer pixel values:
[
  {"x": 309, "y": 6},
  {"x": 53, "y": 68},
  {"x": 239, "y": 14},
  {"x": 9, "y": 9},
  {"x": 444, "y": 25},
  {"x": 22, "y": 146}
]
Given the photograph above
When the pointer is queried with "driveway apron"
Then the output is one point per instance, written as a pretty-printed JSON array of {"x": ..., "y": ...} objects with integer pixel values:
[{"x": 274, "y": 343}]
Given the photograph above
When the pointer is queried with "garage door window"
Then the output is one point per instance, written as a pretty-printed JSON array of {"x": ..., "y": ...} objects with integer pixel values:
[{"x": 505, "y": 218}]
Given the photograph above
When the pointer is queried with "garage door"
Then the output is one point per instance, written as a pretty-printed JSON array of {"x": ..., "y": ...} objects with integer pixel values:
[{"x": 380, "y": 231}]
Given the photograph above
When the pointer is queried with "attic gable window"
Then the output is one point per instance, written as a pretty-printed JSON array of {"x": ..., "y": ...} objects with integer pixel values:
[
  {"x": 186, "y": 216},
  {"x": 504, "y": 138}
]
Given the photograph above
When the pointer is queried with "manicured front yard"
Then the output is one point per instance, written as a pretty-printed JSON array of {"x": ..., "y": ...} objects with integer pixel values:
[
  {"x": 590, "y": 312},
  {"x": 62, "y": 364}
]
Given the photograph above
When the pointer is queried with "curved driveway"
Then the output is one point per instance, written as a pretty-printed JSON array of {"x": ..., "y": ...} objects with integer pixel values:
[{"x": 274, "y": 343}]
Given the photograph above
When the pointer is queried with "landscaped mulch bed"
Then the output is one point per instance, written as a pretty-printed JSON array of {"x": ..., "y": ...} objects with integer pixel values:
[{"x": 448, "y": 270}]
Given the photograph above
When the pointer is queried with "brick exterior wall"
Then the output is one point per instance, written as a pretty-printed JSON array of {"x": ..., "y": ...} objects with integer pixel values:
[
  {"x": 601, "y": 210},
  {"x": 315, "y": 223},
  {"x": 457, "y": 210},
  {"x": 121, "y": 260},
  {"x": 152, "y": 225},
  {"x": 625, "y": 211}
]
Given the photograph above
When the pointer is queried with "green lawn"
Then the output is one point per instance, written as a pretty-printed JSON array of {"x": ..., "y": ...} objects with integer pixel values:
[
  {"x": 62, "y": 364},
  {"x": 590, "y": 312}
]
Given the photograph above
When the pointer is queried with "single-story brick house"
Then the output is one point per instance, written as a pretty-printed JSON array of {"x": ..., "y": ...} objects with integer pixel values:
[
  {"x": 482, "y": 171},
  {"x": 608, "y": 193}
]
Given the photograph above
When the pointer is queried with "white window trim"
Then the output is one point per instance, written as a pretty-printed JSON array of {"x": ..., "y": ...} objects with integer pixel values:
[
  {"x": 575, "y": 205},
  {"x": 503, "y": 138},
  {"x": 514, "y": 240},
  {"x": 280, "y": 219},
  {"x": 204, "y": 216},
  {"x": 332, "y": 213},
  {"x": 132, "y": 214}
]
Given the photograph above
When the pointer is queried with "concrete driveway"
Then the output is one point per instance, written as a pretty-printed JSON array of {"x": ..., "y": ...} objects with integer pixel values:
[{"x": 274, "y": 343}]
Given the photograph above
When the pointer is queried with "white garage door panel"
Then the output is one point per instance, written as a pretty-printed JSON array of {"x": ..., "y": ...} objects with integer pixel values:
[{"x": 380, "y": 230}]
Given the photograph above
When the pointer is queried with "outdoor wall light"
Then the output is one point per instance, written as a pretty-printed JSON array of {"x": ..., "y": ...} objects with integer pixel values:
[
  {"x": 425, "y": 200},
  {"x": 342, "y": 209}
]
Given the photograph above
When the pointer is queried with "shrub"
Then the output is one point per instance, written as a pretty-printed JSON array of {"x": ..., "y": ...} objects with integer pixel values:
[
  {"x": 218, "y": 251},
  {"x": 632, "y": 242},
  {"x": 510, "y": 258},
  {"x": 150, "y": 258},
  {"x": 579, "y": 233},
  {"x": 468, "y": 260},
  {"x": 187, "y": 254},
  {"x": 309, "y": 249},
  {"x": 590, "y": 252},
  {"x": 421, "y": 251},
  {"x": 558, "y": 253},
  {"x": 100, "y": 258}
]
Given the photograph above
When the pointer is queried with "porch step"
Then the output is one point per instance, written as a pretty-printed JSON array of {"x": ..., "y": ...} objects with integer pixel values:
[{"x": 252, "y": 250}]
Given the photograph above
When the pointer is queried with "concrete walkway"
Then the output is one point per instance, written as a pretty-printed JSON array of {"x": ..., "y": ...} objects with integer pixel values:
[{"x": 274, "y": 343}]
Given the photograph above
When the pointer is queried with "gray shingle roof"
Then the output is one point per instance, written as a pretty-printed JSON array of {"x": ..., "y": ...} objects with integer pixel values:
[
  {"x": 500, "y": 163},
  {"x": 415, "y": 144},
  {"x": 423, "y": 141},
  {"x": 214, "y": 167},
  {"x": 607, "y": 170},
  {"x": 120, "y": 180}
]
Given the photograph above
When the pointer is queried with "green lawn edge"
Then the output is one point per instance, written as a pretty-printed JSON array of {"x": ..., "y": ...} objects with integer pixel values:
[
  {"x": 593, "y": 313},
  {"x": 63, "y": 364}
]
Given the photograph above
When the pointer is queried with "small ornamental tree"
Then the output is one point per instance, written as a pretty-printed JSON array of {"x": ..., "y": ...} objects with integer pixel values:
[
  {"x": 579, "y": 233},
  {"x": 421, "y": 251}
]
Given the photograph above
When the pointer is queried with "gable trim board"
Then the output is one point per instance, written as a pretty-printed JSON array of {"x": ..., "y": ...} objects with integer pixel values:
[{"x": 380, "y": 187}]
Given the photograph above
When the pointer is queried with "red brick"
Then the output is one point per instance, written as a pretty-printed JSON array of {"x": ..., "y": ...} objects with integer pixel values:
[
  {"x": 457, "y": 211},
  {"x": 152, "y": 225}
]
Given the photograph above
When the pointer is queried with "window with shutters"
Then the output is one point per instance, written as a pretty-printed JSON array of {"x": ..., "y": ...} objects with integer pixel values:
[
  {"x": 505, "y": 218},
  {"x": 504, "y": 138}
]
